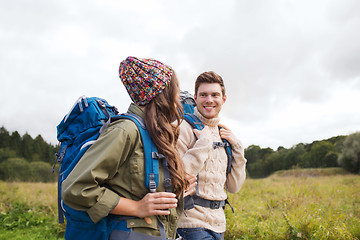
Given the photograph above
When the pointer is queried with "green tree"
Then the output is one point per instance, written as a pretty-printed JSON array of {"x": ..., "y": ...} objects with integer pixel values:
[
  {"x": 350, "y": 155},
  {"x": 293, "y": 156},
  {"x": 27, "y": 147},
  {"x": 315, "y": 158},
  {"x": 42, "y": 149},
  {"x": 257, "y": 163},
  {"x": 331, "y": 159},
  {"x": 273, "y": 162},
  {"x": 252, "y": 154},
  {"x": 15, "y": 143},
  {"x": 256, "y": 170},
  {"x": 4, "y": 138}
]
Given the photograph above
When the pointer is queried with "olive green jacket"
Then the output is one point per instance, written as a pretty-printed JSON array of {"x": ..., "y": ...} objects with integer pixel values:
[{"x": 114, "y": 167}]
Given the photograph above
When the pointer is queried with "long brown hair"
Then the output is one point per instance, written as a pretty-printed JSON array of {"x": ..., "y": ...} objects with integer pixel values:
[{"x": 162, "y": 120}]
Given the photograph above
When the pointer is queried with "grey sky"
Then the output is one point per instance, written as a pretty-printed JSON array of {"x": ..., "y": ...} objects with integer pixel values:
[{"x": 291, "y": 68}]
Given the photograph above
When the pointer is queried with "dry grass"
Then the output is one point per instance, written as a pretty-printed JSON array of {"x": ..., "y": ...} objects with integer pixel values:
[
  {"x": 326, "y": 207},
  {"x": 31, "y": 194},
  {"x": 297, "y": 208}
]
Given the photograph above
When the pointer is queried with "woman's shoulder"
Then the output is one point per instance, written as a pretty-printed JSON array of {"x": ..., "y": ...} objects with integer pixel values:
[{"x": 125, "y": 126}]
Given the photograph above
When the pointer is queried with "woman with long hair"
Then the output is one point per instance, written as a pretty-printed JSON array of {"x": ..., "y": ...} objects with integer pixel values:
[{"x": 108, "y": 181}]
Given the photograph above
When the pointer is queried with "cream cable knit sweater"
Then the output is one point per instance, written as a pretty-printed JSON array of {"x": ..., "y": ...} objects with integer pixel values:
[{"x": 201, "y": 158}]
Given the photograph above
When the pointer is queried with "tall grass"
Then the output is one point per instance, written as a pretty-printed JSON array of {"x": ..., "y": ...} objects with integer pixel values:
[
  {"x": 29, "y": 211},
  {"x": 296, "y": 208},
  {"x": 325, "y": 207}
]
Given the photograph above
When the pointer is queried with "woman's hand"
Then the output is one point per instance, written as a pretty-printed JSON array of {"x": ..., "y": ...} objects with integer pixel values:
[
  {"x": 156, "y": 204},
  {"x": 151, "y": 204}
]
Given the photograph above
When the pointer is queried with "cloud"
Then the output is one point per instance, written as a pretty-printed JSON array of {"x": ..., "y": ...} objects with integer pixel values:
[{"x": 286, "y": 65}]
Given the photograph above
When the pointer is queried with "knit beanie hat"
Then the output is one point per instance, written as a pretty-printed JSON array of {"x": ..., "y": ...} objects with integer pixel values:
[{"x": 144, "y": 78}]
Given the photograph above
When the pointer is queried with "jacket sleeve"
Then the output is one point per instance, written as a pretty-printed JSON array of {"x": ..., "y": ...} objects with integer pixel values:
[
  {"x": 84, "y": 188},
  {"x": 194, "y": 152},
  {"x": 236, "y": 178}
]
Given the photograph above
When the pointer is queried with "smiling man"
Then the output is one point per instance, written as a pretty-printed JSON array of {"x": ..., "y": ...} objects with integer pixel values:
[{"x": 204, "y": 156}]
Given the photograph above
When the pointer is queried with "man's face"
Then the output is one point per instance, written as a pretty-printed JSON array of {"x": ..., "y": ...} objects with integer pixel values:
[{"x": 209, "y": 99}]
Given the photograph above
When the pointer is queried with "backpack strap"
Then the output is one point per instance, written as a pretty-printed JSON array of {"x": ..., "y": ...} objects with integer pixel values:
[
  {"x": 228, "y": 150},
  {"x": 152, "y": 156},
  {"x": 167, "y": 179},
  {"x": 229, "y": 154},
  {"x": 150, "y": 151},
  {"x": 194, "y": 121}
]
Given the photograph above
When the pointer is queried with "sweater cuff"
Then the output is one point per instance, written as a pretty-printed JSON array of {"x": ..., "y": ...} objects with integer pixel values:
[
  {"x": 104, "y": 205},
  {"x": 238, "y": 147}
]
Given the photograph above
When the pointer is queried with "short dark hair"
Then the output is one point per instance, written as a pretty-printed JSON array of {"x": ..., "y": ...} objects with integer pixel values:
[{"x": 209, "y": 77}]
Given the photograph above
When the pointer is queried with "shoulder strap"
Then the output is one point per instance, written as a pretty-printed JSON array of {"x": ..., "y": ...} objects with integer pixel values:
[
  {"x": 228, "y": 151},
  {"x": 152, "y": 156},
  {"x": 194, "y": 121},
  {"x": 229, "y": 155},
  {"x": 151, "y": 164}
]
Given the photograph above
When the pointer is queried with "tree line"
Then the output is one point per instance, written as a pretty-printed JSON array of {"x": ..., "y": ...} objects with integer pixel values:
[
  {"x": 23, "y": 158},
  {"x": 340, "y": 151}
]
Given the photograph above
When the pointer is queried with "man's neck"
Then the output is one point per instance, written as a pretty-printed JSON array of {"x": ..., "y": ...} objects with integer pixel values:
[{"x": 211, "y": 122}]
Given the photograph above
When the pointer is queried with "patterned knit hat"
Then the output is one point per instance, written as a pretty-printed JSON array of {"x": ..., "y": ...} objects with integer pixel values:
[{"x": 144, "y": 78}]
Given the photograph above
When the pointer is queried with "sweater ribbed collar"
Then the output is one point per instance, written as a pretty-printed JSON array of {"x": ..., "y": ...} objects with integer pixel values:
[{"x": 211, "y": 122}]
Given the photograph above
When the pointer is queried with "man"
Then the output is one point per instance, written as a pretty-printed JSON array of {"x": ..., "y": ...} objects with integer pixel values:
[{"x": 203, "y": 157}]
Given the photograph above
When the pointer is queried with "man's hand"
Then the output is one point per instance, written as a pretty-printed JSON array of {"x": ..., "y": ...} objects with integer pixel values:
[
  {"x": 227, "y": 134},
  {"x": 205, "y": 131},
  {"x": 192, "y": 180}
]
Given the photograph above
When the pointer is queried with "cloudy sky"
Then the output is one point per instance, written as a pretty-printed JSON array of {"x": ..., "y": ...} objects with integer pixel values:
[{"x": 291, "y": 68}]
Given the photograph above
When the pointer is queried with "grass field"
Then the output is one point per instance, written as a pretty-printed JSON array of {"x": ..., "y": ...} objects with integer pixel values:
[
  {"x": 324, "y": 207},
  {"x": 278, "y": 207}
]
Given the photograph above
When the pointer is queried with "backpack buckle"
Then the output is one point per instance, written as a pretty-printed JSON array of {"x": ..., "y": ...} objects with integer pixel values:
[
  {"x": 215, "y": 204},
  {"x": 157, "y": 155},
  {"x": 218, "y": 144},
  {"x": 152, "y": 183}
]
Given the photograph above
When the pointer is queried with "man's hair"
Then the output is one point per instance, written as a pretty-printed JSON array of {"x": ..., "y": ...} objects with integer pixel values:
[{"x": 209, "y": 77}]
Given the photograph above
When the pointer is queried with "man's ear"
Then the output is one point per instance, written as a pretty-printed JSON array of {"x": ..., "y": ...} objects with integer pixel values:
[{"x": 224, "y": 99}]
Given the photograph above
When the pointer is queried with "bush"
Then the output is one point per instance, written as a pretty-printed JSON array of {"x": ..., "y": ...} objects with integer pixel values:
[
  {"x": 41, "y": 172},
  {"x": 350, "y": 155},
  {"x": 15, "y": 169},
  {"x": 20, "y": 170}
]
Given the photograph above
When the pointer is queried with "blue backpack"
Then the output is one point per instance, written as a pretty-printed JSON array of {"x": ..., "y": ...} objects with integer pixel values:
[
  {"x": 189, "y": 104},
  {"x": 78, "y": 130}
]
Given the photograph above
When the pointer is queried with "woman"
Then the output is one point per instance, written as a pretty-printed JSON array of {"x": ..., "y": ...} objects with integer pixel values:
[{"x": 108, "y": 181}]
